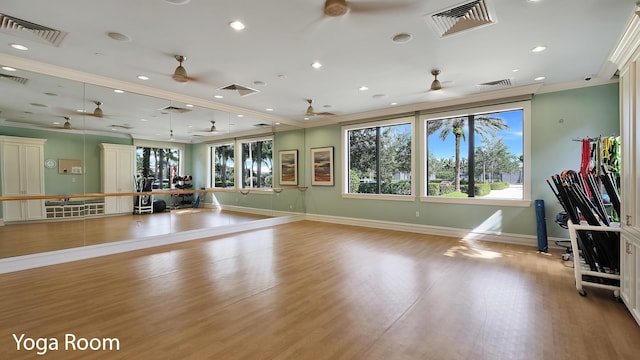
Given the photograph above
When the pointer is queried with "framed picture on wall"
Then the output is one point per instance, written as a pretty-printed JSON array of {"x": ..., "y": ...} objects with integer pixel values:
[
  {"x": 322, "y": 162},
  {"x": 288, "y": 167}
]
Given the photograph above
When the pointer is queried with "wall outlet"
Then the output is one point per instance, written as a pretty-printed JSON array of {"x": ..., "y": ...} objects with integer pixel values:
[
  {"x": 290, "y": 206},
  {"x": 417, "y": 213}
]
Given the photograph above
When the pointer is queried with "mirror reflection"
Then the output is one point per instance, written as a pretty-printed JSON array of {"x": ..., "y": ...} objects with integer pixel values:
[{"x": 84, "y": 165}]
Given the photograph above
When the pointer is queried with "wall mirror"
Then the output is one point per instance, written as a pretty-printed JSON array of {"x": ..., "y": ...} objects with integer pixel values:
[{"x": 168, "y": 148}]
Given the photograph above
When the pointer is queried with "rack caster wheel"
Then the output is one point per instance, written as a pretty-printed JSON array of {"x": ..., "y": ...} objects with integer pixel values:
[{"x": 582, "y": 293}]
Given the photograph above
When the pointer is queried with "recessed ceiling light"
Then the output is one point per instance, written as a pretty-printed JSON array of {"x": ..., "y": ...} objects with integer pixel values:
[
  {"x": 306, "y": 118},
  {"x": 401, "y": 38},
  {"x": 118, "y": 91},
  {"x": 50, "y": 94},
  {"x": 55, "y": 123},
  {"x": 188, "y": 105},
  {"x": 218, "y": 96},
  {"x": 539, "y": 48},
  {"x": 240, "y": 115},
  {"x": 269, "y": 109},
  {"x": 119, "y": 36},
  {"x": 316, "y": 65},
  {"x": 142, "y": 77},
  {"x": 177, "y": 2},
  {"x": 394, "y": 103},
  {"x": 539, "y": 78},
  {"x": 8, "y": 68},
  {"x": 363, "y": 88},
  {"x": 144, "y": 120},
  {"x": 236, "y": 25},
  {"x": 19, "y": 47},
  {"x": 515, "y": 70},
  {"x": 259, "y": 83},
  {"x": 379, "y": 96},
  {"x": 277, "y": 123}
]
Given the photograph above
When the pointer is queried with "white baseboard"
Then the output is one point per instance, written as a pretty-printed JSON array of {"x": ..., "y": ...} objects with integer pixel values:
[
  {"x": 61, "y": 256},
  {"x": 507, "y": 238}
]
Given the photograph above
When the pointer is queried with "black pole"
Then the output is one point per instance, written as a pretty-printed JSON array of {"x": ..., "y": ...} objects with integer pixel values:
[{"x": 471, "y": 171}]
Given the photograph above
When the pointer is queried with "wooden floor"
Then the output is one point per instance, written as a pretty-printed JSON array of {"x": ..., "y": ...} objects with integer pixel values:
[
  {"x": 309, "y": 290},
  {"x": 31, "y": 238}
]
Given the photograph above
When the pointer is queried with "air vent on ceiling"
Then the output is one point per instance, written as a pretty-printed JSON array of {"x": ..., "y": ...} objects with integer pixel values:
[
  {"x": 28, "y": 30},
  {"x": 241, "y": 90},
  {"x": 175, "y": 109},
  {"x": 262, "y": 125},
  {"x": 462, "y": 17},
  {"x": 503, "y": 82},
  {"x": 18, "y": 79}
]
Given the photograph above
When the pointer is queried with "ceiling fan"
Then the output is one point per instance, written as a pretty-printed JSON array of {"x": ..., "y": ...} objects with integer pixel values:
[
  {"x": 212, "y": 129},
  {"x": 340, "y": 7},
  {"x": 180, "y": 73},
  {"x": 310, "y": 111},
  {"x": 66, "y": 125}
]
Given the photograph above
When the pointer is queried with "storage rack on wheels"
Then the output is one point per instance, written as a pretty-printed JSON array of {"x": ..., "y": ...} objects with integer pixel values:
[
  {"x": 583, "y": 273},
  {"x": 594, "y": 235}
]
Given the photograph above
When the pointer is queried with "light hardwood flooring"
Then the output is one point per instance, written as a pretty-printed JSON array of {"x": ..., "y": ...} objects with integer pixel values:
[
  {"x": 310, "y": 290},
  {"x": 31, "y": 238}
]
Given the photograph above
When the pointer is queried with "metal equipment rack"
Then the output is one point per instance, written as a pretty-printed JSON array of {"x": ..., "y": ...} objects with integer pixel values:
[{"x": 583, "y": 273}]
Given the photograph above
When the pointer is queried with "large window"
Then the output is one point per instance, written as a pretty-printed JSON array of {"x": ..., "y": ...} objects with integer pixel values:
[
  {"x": 378, "y": 157},
  {"x": 257, "y": 163},
  {"x": 156, "y": 166},
  {"x": 223, "y": 165},
  {"x": 254, "y": 169},
  {"x": 479, "y": 153}
]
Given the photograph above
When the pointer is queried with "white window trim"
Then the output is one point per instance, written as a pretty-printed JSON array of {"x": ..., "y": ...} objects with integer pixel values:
[
  {"x": 526, "y": 128},
  {"x": 238, "y": 155},
  {"x": 345, "y": 160},
  {"x": 210, "y": 148},
  {"x": 163, "y": 145}
]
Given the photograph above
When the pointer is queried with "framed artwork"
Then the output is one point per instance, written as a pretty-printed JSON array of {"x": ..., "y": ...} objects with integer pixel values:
[
  {"x": 288, "y": 167},
  {"x": 322, "y": 162}
]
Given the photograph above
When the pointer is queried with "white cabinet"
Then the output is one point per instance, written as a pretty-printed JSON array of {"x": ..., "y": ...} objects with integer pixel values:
[
  {"x": 117, "y": 173},
  {"x": 22, "y": 168},
  {"x": 626, "y": 56},
  {"x": 630, "y": 267}
]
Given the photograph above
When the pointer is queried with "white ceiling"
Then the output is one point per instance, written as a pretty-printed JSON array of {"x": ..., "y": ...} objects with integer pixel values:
[{"x": 273, "y": 55}]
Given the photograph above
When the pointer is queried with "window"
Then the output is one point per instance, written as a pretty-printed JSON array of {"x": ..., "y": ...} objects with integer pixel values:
[
  {"x": 479, "y": 153},
  {"x": 157, "y": 166},
  {"x": 223, "y": 166},
  {"x": 378, "y": 158},
  {"x": 253, "y": 171},
  {"x": 257, "y": 163}
]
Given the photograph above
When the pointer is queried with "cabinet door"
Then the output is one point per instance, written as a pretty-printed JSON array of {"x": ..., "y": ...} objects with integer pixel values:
[
  {"x": 627, "y": 271},
  {"x": 628, "y": 142},
  {"x": 125, "y": 180},
  {"x": 33, "y": 184}
]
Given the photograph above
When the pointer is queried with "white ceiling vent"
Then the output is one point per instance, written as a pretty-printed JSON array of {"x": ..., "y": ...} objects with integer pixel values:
[
  {"x": 18, "y": 79},
  {"x": 174, "y": 109},
  {"x": 466, "y": 16},
  {"x": 503, "y": 82},
  {"x": 241, "y": 90},
  {"x": 28, "y": 30}
]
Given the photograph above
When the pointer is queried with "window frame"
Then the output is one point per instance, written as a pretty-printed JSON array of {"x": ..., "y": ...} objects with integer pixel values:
[
  {"x": 210, "y": 163},
  {"x": 411, "y": 120},
  {"x": 237, "y": 162},
  {"x": 525, "y": 106},
  {"x": 141, "y": 143}
]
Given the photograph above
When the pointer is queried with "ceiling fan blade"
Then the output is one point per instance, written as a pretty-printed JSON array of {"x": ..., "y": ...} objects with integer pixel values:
[
  {"x": 324, "y": 113},
  {"x": 371, "y": 7}
]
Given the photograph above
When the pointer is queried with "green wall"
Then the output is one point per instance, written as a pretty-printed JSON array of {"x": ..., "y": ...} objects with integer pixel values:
[
  {"x": 588, "y": 111},
  {"x": 557, "y": 118}
]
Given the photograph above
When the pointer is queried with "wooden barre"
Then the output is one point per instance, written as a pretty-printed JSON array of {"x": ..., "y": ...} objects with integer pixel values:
[{"x": 145, "y": 193}]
